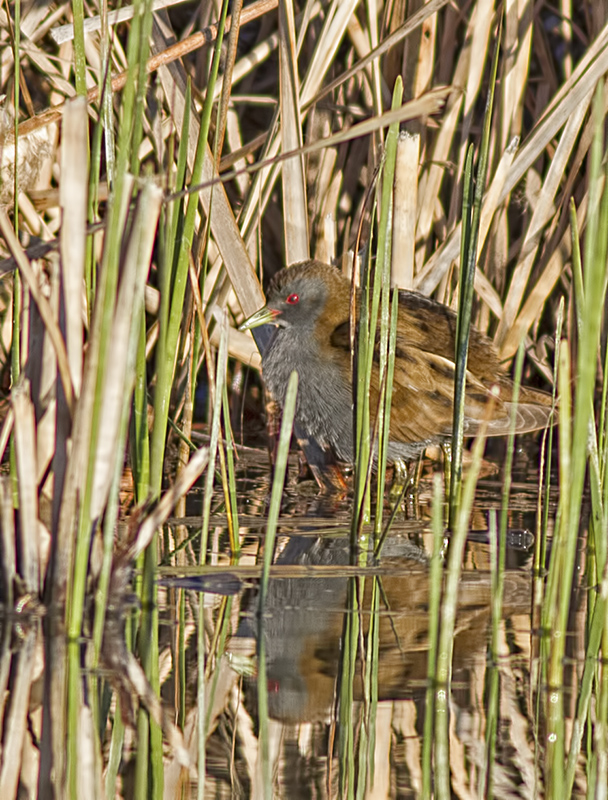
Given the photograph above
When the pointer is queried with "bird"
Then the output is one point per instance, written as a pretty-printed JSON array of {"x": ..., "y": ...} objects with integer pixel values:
[{"x": 309, "y": 305}]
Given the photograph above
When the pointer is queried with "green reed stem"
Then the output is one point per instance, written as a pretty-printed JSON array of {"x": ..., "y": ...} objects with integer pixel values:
[
  {"x": 573, "y": 461},
  {"x": 363, "y": 449},
  {"x": 216, "y": 388},
  {"x": 17, "y": 299},
  {"x": 100, "y": 344},
  {"x": 435, "y": 582},
  {"x": 140, "y": 432},
  {"x": 106, "y": 116},
  {"x": 100, "y": 131},
  {"x": 382, "y": 282},
  {"x": 274, "y": 510},
  {"x": 538, "y": 644},
  {"x": 15, "y": 32},
  {"x": 596, "y": 556},
  {"x": 463, "y": 323},
  {"x": 600, "y": 749},
  {"x": 384, "y": 440},
  {"x": 348, "y": 664},
  {"x": 74, "y": 701},
  {"x": 498, "y": 542},
  {"x": 139, "y": 100},
  {"x": 80, "y": 61},
  {"x": 232, "y": 511},
  {"x": 540, "y": 548},
  {"x": 553, "y": 621},
  {"x": 467, "y": 279},
  {"x": 497, "y": 550},
  {"x": 448, "y": 618},
  {"x": 367, "y": 730},
  {"x": 166, "y": 357},
  {"x": 590, "y": 293},
  {"x": 583, "y": 718},
  {"x": 115, "y": 754},
  {"x": 201, "y": 694}
]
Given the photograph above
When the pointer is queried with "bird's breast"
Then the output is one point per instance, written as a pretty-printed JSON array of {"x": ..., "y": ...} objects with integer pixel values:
[{"x": 324, "y": 402}]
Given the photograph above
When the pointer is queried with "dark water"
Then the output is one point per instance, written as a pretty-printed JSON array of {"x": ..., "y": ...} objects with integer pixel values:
[
  {"x": 306, "y": 614},
  {"x": 314, "y": 593}
]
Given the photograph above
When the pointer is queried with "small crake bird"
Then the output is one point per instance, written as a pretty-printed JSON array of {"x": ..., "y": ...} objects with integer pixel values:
[{"x": 309, "y": 303}]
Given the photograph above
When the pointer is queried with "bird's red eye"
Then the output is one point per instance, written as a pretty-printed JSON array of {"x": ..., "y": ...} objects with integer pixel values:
[{"x": 292, "y": 299}]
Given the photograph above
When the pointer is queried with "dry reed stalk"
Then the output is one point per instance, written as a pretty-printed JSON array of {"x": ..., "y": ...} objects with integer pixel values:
[{"x": 347, "y": 56}]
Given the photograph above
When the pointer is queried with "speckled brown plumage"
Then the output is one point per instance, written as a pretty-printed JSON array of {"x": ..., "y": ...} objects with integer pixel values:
[{"x": 309, "y": 304}]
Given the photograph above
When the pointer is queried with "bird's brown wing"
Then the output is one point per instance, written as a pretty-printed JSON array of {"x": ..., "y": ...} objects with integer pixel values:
[
  {"x": 423, "y": 391},
  {"x": 422, "y": 401},
  {"x": 423, "y": 383},
  {"x": 423, "y": 396},
  {"x": 430, "y": 326}
]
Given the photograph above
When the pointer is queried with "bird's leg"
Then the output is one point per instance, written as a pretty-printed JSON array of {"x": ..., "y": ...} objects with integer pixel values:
[
  {"x": 412, "y": 494},
  {"x": 399, "y": 482},
  {"x": 330, "y": 479},
  {"x": 405, "y": 486},
  {"x": 273, "y": 426}
]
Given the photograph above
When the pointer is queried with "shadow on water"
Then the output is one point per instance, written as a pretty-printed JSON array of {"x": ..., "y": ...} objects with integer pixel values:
[{"x": 305, "y": 619}]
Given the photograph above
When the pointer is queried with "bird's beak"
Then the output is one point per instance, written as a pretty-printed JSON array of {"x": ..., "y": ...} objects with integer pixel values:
[{"x": 265, "y": 316}]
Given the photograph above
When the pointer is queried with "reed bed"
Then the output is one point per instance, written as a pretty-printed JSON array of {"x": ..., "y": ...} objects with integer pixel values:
[{"x": 158, "y": 162}]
